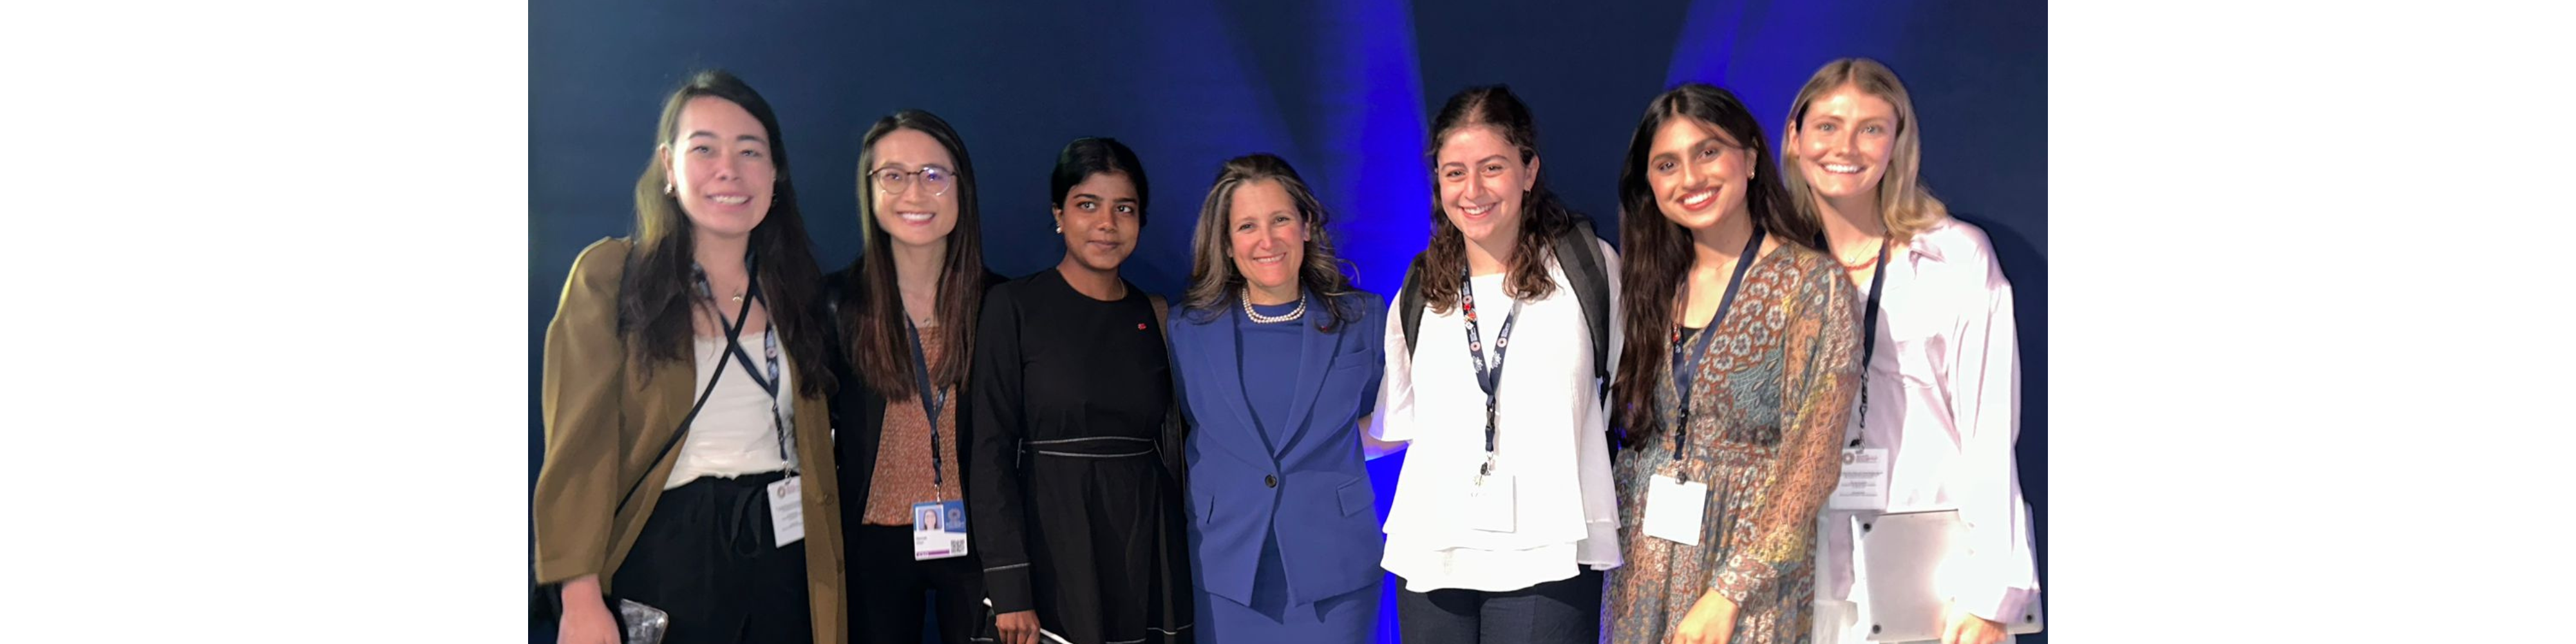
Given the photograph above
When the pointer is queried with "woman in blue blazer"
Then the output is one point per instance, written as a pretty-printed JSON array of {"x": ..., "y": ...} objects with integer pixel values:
[{"x": 1277, "y": 365}]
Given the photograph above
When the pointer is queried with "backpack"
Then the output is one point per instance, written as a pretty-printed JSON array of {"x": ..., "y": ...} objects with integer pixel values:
[{"x": 1578, "y": 253}]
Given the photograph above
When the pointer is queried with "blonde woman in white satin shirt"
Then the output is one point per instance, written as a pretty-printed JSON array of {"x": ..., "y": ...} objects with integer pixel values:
[{"x": 1941, "y": 400}]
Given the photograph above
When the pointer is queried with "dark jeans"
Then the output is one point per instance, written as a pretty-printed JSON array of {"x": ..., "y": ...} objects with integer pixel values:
[{"x": 1566, "y": 611}]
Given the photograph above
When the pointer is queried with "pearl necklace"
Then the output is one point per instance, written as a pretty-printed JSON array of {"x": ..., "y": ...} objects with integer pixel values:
[{"x": 1258, "y": 318}]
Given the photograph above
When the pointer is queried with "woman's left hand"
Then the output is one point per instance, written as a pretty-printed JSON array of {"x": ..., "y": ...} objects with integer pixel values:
[
  {"x": 1965, "y": 628},
  {"x": 1711, "y": 620}
]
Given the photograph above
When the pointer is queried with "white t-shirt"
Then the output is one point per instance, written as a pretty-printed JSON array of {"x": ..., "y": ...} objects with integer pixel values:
[
  {"x": 734, "y": 434},
  {"x": 1549, "y": 438}
]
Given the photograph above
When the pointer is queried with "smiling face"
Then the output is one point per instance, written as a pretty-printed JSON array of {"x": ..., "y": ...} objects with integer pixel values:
[
  {"x": 1699, "y": 173},
  {"x": 719, "y": 167},
  {"x": 1101, "y": 217},
  {"x": 1843, "y": 143},
  {"x": 913, "y": 181},
  {"x": 1482, "y": 181},
  {"x": 1266, "y": 236}
]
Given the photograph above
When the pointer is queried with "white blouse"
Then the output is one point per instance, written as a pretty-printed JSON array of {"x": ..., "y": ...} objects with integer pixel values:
[
  {"x": 1549, "y": 437},
  {"x": 1945, "y": 400},
  {"x": 734, "y": 434}
]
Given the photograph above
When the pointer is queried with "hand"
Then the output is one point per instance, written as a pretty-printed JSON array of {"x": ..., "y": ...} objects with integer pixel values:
[
  {"x": 1018, "y": 627},
  {"x": 1961, "y": 627},
  {"x": 585, "y": 615},
  {"x": 1711, "y": 620}
]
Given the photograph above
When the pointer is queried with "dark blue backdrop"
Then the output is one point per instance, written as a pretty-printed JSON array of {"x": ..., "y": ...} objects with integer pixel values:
[{"x": 1341, "y": 88}]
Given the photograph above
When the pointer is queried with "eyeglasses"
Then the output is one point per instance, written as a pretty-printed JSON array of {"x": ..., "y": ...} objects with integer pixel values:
[{"x": 933, "y": 178}]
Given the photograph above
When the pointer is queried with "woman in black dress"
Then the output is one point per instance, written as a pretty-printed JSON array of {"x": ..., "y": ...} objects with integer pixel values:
[{"x": 1077, "y": 513}]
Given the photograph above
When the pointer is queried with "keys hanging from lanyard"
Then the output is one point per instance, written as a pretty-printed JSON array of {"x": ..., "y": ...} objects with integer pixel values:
[
  {"x": 1490, "y": 380},
  {"x": 1686, "y": 368},
  {"x": 1869, "y": 333},
  {"x": 769, "y": 347},
  {"x": 931, "y": 402}
]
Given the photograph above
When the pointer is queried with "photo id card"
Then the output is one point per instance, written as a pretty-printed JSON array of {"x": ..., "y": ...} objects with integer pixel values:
[{"x": 938, "y": 530}]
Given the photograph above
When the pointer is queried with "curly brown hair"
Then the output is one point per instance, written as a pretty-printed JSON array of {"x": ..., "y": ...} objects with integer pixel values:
[{"x": 1543, "y": 216}]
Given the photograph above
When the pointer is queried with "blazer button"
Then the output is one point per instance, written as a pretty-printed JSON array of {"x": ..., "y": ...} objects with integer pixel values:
[{"x": 1270, "y": 480}]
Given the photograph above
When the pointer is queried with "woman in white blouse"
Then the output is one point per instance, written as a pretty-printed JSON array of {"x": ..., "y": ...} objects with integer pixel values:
[
  {"x": 1940, "y": 405},
  {"x": 1504, "y": 517}
]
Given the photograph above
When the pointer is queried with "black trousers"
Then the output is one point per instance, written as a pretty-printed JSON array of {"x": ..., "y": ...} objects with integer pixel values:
[
  {"x": 890, "y": 592},
  {"x": 1565, "y": 611},
  {"x": 708, "y": 557}
]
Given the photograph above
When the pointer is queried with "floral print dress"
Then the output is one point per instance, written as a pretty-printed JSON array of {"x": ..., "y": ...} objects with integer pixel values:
[{"x": 1770, "y": 400}]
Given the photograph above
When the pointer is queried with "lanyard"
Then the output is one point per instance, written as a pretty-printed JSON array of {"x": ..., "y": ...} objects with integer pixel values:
[
  {"x": 1489, "y": 380},
  {"x": 931, "y": 402},
  {"x": 1869, "y": 334},
  {"x": 1686, "y": 368},
  {"x": 769, "y": 347}
]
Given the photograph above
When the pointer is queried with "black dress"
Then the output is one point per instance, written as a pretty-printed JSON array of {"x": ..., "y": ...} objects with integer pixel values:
[{"x": 1074, "y": 507}]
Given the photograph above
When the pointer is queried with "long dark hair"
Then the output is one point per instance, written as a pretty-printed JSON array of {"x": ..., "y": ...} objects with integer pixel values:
[
  {"x": 872, "y": 305},
  {"x": 1655, "y": 253},
  {"x": 1213, "y": 279},
  {"x": 655, "y": 296},
  {"x": 1543, "y": 216}
]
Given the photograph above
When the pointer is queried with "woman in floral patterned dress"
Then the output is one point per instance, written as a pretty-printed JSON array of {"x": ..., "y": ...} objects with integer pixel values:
[{"x": 1758, "y": 372}]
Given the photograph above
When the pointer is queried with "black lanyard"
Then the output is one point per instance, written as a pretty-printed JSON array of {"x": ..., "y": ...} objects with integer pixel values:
[
  {"x": 931, "y": 400},
  {"x": 1869, "y": 333},
  {"x": 769, "y": 347},
  {"x": 1686, "y": 368},
  {"x": 1490, "y": 380}
]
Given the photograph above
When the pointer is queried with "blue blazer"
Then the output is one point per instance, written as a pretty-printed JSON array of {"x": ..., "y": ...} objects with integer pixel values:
[{"x": 1312, "y": 492}]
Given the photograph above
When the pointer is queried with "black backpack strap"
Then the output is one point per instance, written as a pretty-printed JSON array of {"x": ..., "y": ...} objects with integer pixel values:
[
  {"x": 1409, "y": 303},
  {"x": 1578, "y": 252}
]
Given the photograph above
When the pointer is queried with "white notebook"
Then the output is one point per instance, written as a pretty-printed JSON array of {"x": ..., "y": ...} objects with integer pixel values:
[{"x": 1900, "y": 555}]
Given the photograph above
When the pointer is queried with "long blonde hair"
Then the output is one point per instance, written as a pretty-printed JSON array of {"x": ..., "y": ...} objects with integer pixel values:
[{"x": 1904, "y": 204}]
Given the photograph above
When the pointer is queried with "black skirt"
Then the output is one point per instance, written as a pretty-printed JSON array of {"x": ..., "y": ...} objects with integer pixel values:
[{"x": 1110, "y": 562}]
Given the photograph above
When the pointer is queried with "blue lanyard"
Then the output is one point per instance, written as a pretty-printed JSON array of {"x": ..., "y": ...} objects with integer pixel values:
[
  {"x": 931, "y": 400},
  {"x": 1490, "y": 380},
  {"x": 1686, "y": 369},
  {"x": 769, "y": 347}
]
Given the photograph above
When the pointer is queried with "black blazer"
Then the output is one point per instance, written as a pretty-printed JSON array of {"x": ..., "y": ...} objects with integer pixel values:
[{"x": 858, "y": 411}]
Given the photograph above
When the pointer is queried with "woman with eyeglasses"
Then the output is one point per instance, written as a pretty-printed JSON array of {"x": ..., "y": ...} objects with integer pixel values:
[
  {"x": 905, "y": 310},
  {"x": 1075, "y": 507}
]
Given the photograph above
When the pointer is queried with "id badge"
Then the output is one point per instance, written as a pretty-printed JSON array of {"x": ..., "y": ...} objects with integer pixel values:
[
  {"x": 1490, "y": 504},
  {"x": 1674, "y": 509},
  {"x": 938, "y": 530},
  {"x": 787, "y": 510},
  {"x": 1864, "y": 481}
]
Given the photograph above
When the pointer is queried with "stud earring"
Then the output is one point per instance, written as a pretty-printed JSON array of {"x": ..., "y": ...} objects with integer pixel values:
[
  {"x": 1059, "y": 229},
  {"x": 666, "y": 189}
]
